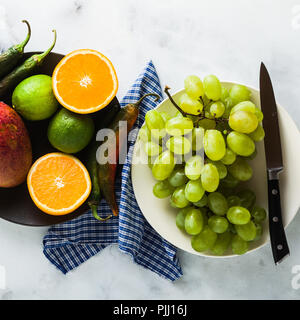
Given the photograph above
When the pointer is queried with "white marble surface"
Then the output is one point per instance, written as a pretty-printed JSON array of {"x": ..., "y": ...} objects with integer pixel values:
[{"x": 228, "y": 38}]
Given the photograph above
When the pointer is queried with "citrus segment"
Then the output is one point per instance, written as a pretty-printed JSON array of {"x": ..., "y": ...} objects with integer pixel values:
[
  {"x": 58, "y": 183},
  {"x": 84, "y": 81}
]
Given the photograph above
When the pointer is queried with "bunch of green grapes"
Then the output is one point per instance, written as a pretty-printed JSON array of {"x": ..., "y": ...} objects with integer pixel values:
[{"x": 205, "y": 187}]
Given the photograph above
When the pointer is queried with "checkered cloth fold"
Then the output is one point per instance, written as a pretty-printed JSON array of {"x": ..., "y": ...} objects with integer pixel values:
[{"x": 69, "y": 244}]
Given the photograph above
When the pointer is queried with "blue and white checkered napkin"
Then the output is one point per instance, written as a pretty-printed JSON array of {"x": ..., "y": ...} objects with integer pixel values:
[{"x": 69, "y": 244}]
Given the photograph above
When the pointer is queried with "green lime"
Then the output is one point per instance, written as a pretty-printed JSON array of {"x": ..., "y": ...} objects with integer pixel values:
[
  {"x": 33, "y": 98},
  {"x": 70, "y": 132}
]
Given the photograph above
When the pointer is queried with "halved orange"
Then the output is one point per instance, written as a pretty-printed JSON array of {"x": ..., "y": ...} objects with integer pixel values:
[
  {"x": 84, "y": 81},
  {"x": 58, "y": 183}
]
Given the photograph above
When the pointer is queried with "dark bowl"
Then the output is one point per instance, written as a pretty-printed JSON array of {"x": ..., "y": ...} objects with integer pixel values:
[{"x": 15, "y": 203}]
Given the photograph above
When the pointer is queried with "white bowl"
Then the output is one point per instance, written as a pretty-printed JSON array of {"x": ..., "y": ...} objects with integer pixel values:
[{"x": 161, "y": 215}]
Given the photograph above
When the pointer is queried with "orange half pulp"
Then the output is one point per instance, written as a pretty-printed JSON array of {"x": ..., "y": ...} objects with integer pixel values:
[
  {"x": 58, "y": 183},
  {"x": 84, "y": 81}
]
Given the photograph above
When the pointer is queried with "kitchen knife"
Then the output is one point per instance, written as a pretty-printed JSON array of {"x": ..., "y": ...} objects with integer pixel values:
[{"x": 274, "y": 163}]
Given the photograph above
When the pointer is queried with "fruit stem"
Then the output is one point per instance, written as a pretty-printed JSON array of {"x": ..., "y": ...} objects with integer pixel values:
[
  {"x": 95, "y": 214},
  {"x": 173, "y": 102},
  {"x": 146, "y": 95},
  {"x": 44, "y": 54},
  {"x": 23, "y": 44},
  {"x": 200, "y": 116}
]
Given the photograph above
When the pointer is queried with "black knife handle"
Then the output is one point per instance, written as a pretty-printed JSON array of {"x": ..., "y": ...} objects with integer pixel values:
[{"x": 277, "y": 234}]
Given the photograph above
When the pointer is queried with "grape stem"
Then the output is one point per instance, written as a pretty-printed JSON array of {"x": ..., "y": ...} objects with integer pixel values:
[
  {"x": 200, "y": 116},
  {"x": 220, "y": 119},
  {"x": 173, "y": 102}
]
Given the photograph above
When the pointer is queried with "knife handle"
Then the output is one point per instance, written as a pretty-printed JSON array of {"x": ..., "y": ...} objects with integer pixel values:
[{"x": 277, "y": 234}]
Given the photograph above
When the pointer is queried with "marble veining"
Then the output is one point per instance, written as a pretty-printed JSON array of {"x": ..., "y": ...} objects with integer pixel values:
[{"x": 229, "y": 38}]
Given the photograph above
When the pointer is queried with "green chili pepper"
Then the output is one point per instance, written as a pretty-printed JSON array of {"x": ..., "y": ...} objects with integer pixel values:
[
  {"x": 28, "y": 68},
  {"x": 95, "y": 196},
  {"x": 10, "y": 58}
]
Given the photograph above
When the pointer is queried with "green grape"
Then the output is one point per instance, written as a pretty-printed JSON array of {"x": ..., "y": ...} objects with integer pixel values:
[
  {"x": 259, "y": 214},
  {"x": 259, "y": 231},
  {"x": 155, "y": 124},
  {"x": 179, "y": 145},
  {"x": 238, "y": 215},
  {"x": 224, "y": 94},
  {"x": 221, "y": 168},
  {"x": 229, "y": 182},
  {"x": 151, "y": 161},
  {"x": 165, "y": 115},
  {"x": 240, "y": 143},
  {"x": 259, "y": 115},
  {"x": 163, "y": 165},
  {"x": 228, "y": 107},
  {"x": 243, "y": 121},
  {"x": 229, "y": 157},
  {"x": 194, "y": 190},
  {"x": 240, "y": 170},
  {"x": 244, "y": 106},
  {"x": 222, "y": 243},
  {"x": 207, "y": 124},
  {"x": 217, "y": 109},
  {"x": 144, "y": 134},
  {"x": 162, "y": 189},
  {"x": 247, "y": 197},
  {"x": 252, "y": 155},
  {"x": 179, "y": 126},
  {"x": 202, "y": 202},
  {"x": 238, "y": 245},
  {"x": 258, "y": 134},
  {"x": 217, "y": 203},
  {"x": 193, "y": 118},
  {"x": 205, "y": 240},
  {"x": 190, "y": 105},
  {"x": 172, "y": 204},
  {"x": 207, "y": 113},
  {"x": 180, "y": 218},
  {"x": 214, "y": 144},
  {"x": 193, "y": 86},
  {"x": 157, "y": 135},
  {"x": 233, "y": 201},
  {"x": 218, "y": 224},
  {"x": 207, "y": 107},
  {"x": 197, "y": 139},
  {"x": 178, "y": 114},
  {"x": 239, "y": 93},
  {"x": 152, "y": 149},
  {"x": 178, "y": 178},
  {"x": 193, "y": 222},
  {"x": 210, "y": 177},
  {"x": 193, "y": 167},
  {"x": 212, "y": 87},
  {"x": 246, "y": 231},
  {"x": 178, "y": 197}
]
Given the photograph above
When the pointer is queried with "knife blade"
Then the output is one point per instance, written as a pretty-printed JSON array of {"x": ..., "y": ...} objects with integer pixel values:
[{"x": 274, "y": 163}]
